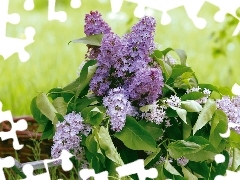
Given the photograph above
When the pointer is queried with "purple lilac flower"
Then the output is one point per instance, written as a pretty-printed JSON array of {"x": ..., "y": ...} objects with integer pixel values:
[
  {"x": 139, "y": 44},
  {"x": 68, "y": 137},
  {"x": 111, "y": 50},
  {"x": 109, "y": 57},
  {"x": 100, "y": 82},
  {"x": 146, "y": 86},
  {"x": 94, "y": 24},
  {"x": 155, "y": 114},
  {"x": 231, "y": 107},
  {"x": 118, "y": 107}
]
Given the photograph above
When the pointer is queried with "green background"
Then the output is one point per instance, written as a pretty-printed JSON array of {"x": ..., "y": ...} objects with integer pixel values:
[{"x": 213, "y": 53}]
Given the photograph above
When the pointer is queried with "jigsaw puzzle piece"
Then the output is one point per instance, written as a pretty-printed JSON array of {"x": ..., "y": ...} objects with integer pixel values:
[
  {"x": 64, "y": 158},
  {"x": 18, "y": 126},
  {"x": 9, "y": 45},
  {"x": 192, "y": 9},
  {"x": 225, "y": 7},
  {"x": 137, "y": 167},
  {"x": 6, "y": 162},
  {"x": 29, "y": 5},
  {"x": 53, "y": 15}
]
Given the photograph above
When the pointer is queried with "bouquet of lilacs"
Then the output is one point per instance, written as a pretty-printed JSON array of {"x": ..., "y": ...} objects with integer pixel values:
[{"x": 132, "y": 101}]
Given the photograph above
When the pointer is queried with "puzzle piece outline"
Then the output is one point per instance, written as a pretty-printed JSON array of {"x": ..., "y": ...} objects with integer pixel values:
[
  {"x": 192, "y": 9},
  {"x": 20, "y": 125}
]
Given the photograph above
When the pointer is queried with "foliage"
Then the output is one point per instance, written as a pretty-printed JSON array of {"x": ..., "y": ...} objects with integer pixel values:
[{"x": 177, "y": 130}]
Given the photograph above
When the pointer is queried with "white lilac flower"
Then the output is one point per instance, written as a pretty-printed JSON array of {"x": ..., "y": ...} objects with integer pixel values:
[
  {"x": 162, "y": 160},
  {"x": 169, "y": 59},
  {"x": 155, "y": 114},
  {"x": 231, "y": 107},
  {"x": 174, "y": 101},
  {"x": 205, "y": 91},
  {"x": 182, "y": 161},
  {"x": 118, "y": 107},
  {"x": 68, "y": 136}
]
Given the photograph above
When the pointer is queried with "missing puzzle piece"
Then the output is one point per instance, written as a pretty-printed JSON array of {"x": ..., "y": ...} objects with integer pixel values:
[
  {"x": 64, "y": 160},
  {"x": 20, "y": 125},
  {"x": 10, "y": 45}
]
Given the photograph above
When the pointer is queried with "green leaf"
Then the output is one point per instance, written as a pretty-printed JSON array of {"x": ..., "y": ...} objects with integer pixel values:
[
  {"x": 46, "y": 108},
  {"x": 192, "y": 96},
  {"x": 170, "y": 88},
  {"x": 135, "y": 137},
  {"x": 86, "y": 75},
  {"x": 209, "y": 86},
  {"x": 170, "y": 168},
  {"x": 200, "y": 168},
  {"x": 161, "y": 175},
  {"x": 178, "y": 70},
  {"x": 94, "y": 40},
  {"x": 84, "y": 102},
  {"x": 182, "y": 55},
  {"x": 187, "y": 128},
  {"x": 188, "y": 174},
  {"x": 82, "y": 81},
  {"x": 95, "y": 117},
  {"x": 181, "y": 148},
  {"x": 93, "y": 114},
  {"x": 154, "y": 129},
  {"x": 37, "y": 115},
  {"x": 49, "y": 131},
  {"x": 205, "y": 115},
  {"x": 207, "y": 152},
  {"x": 236, "y": 157},
  {"x": 182, "y": 113},
  {"x": 219, "y": 124},
  {"x": 60, "y": 105},
  {"x": 234, "y": 139},
  {"x": 191, "y": 106},
  {"x": 93, "y": 147},
  {"x": 185, "y": 81},
  {"x": 225, "y": 91},
  {"x": 107, "y": 145},
  {"x": 151, "y": 157}
]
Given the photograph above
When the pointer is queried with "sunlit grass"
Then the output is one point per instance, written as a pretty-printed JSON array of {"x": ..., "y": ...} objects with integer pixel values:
[{"x": 55, "y": 63}]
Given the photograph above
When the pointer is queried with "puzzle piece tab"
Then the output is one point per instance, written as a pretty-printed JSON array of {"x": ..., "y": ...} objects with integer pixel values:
[
  {"x": 6, "y": 162},
  {"x": 137, "y": 167},
  {"x": 192, "y": 9},
  {"x": 64, "y": 159},
  {"x": 16, "y": 126},
  {"x": 10, "y": 45}
]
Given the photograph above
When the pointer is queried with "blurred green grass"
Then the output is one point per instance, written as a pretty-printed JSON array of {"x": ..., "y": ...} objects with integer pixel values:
[{"x": 55, "y": 63}]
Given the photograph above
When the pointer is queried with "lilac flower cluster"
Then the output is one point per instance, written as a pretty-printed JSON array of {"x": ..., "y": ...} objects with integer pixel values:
[
  {"x": 110, "y": 54},
  {"x": 174, "y": 101},
  {"x": 118, "y": 107},
  {"x": 68, "y": 136},
  {"x": 139, "y": 44},
  {"x": 231, "y": 107},
  {"x": 155, "y": 114},
  {"x": 145, "y": 86},
  {"x": 94, "y": 24},
  {"x": 205, "y": 91},
  {"x": 124, "y": 74}
]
